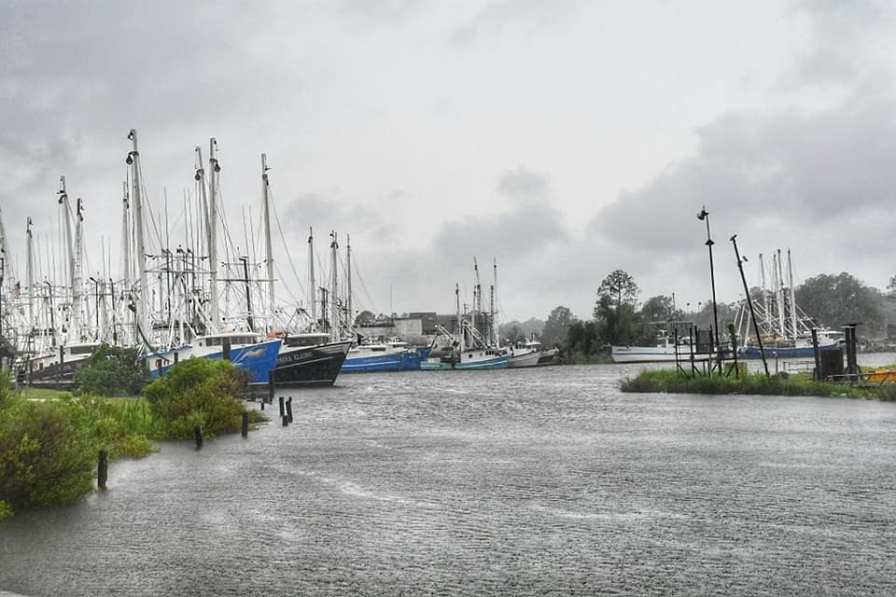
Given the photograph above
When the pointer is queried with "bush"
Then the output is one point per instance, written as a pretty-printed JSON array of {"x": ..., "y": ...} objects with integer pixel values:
[
  {"x": 47, "y": 454},
  {"x": 199, "y": 392},
  {"x": 5, "y": 510},
  {"x": 112, "y": 371}
]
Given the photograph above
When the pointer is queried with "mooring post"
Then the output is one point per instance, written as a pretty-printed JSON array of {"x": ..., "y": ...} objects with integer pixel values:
[
  {"x": 818, "y": 371},
  {"x": 102, "y": 469},
  {"x": 285, "y": 420},
  {"x": 197, "y": 433},
  {"x": 289, "y": 409},
  {"x": 282, "y": 406},
  {"x": 226, "y": 346},
  {"x": 245, "y": 428}
]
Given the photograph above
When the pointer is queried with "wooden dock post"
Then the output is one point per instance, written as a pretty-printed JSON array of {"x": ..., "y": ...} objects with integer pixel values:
[
  {"x": 285, "y": 421},
  {"x": 102, "y": 469},
  {"x": 197, "y": 433},
  {"x": 282, "y": 407},
  {"x": 289, "y": 409},
  {"x": 245, "y": 428}
]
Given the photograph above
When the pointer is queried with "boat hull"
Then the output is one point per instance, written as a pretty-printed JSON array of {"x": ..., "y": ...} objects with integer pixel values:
[
  {"x": 404, "y": 360},
  {"x": 784, "y": 352},
  {"x": 310, "y": 366},
  {"x": 500, "y": 362},
  {"x": 529, "y": 359},
  {"x": 646, "y": 354},
  {"x": 257, "y": 360}
]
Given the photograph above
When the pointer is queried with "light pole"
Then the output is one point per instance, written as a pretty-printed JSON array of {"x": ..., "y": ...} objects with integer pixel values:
[{"x": 704, "y": 216}]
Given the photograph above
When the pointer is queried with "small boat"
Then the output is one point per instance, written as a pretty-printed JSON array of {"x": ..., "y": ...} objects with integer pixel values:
[
  {"x": 549, "y": 356},
  {"x": 526, "y": 355},
  {"x": 386, "y": 356},
  {"x": 663, "y": 351},
  {"x": 247, "y": 351},
  {"x": 60, "y": 365},
  {"x": 468, "y": 359}
]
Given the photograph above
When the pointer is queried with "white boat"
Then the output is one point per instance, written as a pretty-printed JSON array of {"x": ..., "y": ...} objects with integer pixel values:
[
  {"x": 469, "y": 359},
  {"x": 526, "y": 355},
  {"x": 663, "y": 351}
]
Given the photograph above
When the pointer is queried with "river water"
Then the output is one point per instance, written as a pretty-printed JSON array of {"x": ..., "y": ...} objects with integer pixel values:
[{"x": 523, "y": 482}]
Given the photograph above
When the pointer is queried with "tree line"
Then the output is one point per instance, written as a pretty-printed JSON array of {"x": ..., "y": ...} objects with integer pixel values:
[{"x": 618, "y": 318}]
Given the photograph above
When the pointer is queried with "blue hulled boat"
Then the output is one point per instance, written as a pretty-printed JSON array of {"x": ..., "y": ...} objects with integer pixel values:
[
  {"x": 256, "y": 357},
  {"x": 392, "y": 356}
]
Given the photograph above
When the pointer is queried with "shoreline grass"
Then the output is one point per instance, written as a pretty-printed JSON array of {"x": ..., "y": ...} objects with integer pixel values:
[{"x": 670, "y": 381}]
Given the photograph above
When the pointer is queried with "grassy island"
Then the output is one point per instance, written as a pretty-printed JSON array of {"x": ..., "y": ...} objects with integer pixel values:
[{"x": 800, "y": 384}]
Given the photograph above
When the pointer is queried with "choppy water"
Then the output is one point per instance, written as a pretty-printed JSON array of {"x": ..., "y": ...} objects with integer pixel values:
[{"x": 542, "y": 482}]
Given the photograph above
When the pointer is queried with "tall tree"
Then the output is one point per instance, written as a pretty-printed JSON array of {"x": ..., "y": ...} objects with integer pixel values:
[
  {"x": 557, "y": 325},
  {"x": 657, "y": 309},
  {"x": 614, "y": 312},
  {"x": 836, "y": 300}
]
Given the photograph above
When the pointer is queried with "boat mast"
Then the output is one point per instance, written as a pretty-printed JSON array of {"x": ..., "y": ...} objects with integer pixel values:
[
  {"x": 334, "y": 307},
  {"x": 66, "y": 211},
  {"x": 764, "y": 289},
  {"x": 494, "y": 313},
  {"x": 268, "y": 249},
  {"x": 143, "y": 297},
  {"x": 477, "y": 290},
  {"x": 29, "y": 275},
  {"x": 79, "y": 266},
  {"x": 348, "y": 281},
  {"x": 214, "y": 169},
  {"x": 312, "y": 285},
  {"x": 779, "y": 290},
  {"x": 460, "y": 323},
  {"x": 793, "y": 317}
]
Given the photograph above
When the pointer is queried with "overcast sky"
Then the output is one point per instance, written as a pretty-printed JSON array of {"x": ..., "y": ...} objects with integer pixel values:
[{"x": 564, "y": 138}]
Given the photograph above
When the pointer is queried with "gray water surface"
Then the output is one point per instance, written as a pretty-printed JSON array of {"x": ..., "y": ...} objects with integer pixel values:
[{"x": 539, "y": 482}]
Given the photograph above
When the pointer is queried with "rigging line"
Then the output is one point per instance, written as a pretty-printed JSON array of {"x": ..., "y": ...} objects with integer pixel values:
[
  {"x": 364, "y": 285},
  {"x": 286, "y": 250}
]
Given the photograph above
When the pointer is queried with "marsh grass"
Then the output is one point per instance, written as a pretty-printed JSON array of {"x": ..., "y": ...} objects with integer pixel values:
[{"x": 672, "y": 382}]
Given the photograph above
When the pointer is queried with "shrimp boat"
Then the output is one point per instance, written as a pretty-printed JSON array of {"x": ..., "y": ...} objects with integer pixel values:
[
  {"x": 247, "y": 351},
  {"x": 468, "y": 350},
  {"x": 308, "y": 360},
  {"x": 526, "y": 355},
  {"x": 785, "y": 328},
  {"x": 386, "y": 356}
]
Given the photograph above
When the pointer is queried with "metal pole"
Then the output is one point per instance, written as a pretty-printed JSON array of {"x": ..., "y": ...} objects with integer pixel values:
[
  {"x": 704, "y": 215},
  {"x": 743, "y": 278}
]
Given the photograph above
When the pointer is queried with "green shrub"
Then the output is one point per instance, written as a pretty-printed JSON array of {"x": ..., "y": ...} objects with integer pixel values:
[
  {"x": 199, "y": 392},
  {"x": 112, "y": 371},
  {"x": 47, "y": 454},
  {"x": 5, "y": 510}
]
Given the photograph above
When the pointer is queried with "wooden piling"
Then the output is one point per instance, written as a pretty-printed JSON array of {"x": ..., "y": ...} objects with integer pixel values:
[
  {"x": 245, "y": 429},
  {"x": 282, "y": 407},
  {"x": 285, "y": 421},
  {"x": 102, "y": 469},
  {"x": 197, "y": 433},
  {"x": 289, "y": 409}
]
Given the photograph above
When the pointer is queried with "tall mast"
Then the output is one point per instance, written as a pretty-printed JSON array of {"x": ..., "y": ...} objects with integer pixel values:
[
  {"x": 793, "y": 317},
  {"x": 334, "y": 301},
  {"x": 69, "y": 246},
  {"x": 494, "y": 312},
  {"x": 764, "y": 289},
  {"x": 779, "y": 292},
  {"x": 312, "y": 285},
  {"x": 214, "y": 170},
  {"x": 460, "y": 323},
  {"x": 268, "y": 249},
  {"x": 125, "y": 238},
  {"x": 476, "y": 294},
  {"x": 143, "y": 297},
  {"x": 348, "y": 281},
  {"x": 78, "y": 261},
  {"x": 491, "y": 310},
  {"x": 29, "y": 274}
]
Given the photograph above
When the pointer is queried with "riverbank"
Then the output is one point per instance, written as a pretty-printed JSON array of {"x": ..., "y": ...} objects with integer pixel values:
[
  {"x": 50, "y": 441},
  {"x": 670, "y": 381}
]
